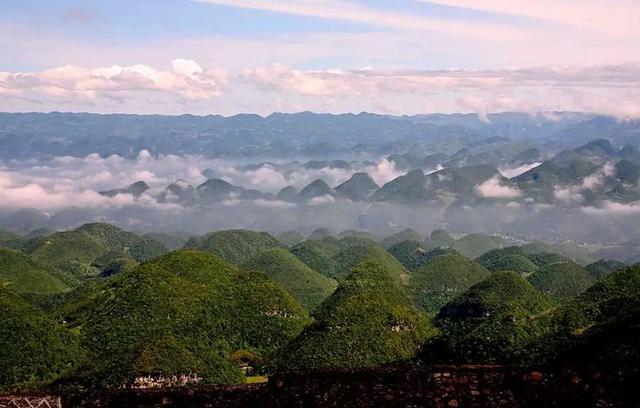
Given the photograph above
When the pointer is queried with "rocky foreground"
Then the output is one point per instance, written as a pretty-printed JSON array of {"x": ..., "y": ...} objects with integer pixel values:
[{"x": 406, "y": 386}]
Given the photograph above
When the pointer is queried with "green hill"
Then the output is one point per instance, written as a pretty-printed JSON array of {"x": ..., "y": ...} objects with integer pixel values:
[
  {"x": 515, "y": 263},
  {"x": 235, "y": 246},
  {"x": 306, "y": 285},
  {"x": 562, "y": 281},
  {"x": 335, "y": 257},
  {"x": 474, "y": 245},
  {"x": 288, "y": 193},
  {"x": 443, "y": 186},
  {"x": 358, "y": 188},
  {"x": 441, "y": 238},
  {"x": 74, "y": 252},
  {"x": 408, "y": 188},
  {"x": 318, "y": 255},
  {"x": 290, "y": 238},
  {"x": 470, "y": 245},
  {"x": 411, "y": 254},
  {"x": 443, "y": 278},
  {"x": 183, "y": 313},
  {"x": 34, "y": 350},
  {"x": 9, "y": 240},
  {"x": 172, "y": 241},
  {"x": 21, "y": 274},
  {"x": 321, "y": 233},
  {"x": 539, "y": 182},
  {"x": 215, "y": 189},
  {"x": 136, "y": 189},
  {"x": 508, "y": 259},
  {"x": 369, "y": 321},
  {"x": 112, "y": 237},
  {"x": 604, "y": 319},
  {"x": 357, "y": 234},
  {"x": 70, "y": 251},
  {"x": 604, "y": 267},
  {"x": 489, "y": 321},
  {"x": 542, "y": 259},
  {"x": 114, "y": 262},
  {"x": 356, "y": 252},
  {"x": 408, "y": 234},
  {"x": 316, "y": 188},
  {"x": 495, "y": 255}
]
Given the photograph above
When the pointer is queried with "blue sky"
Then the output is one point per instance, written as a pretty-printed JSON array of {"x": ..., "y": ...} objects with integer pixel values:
[
  {"x": 395, "y": 56},
  {"x": 132, "y": 21},
  {"x": 128, "y": 23}
]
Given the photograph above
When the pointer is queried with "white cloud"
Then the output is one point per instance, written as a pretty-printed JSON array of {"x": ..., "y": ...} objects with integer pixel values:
[
  {"x": 276, "y": 204},
  {"x": 186, "y": 67},
  {"x": 75, "y": 182},
  {"x": 568, "y": 194},
  {"x": 511, "y": 172},
  {"x": 607, "y": 89},
  {"x": 493, "y": 188},
  {"x": 71, "y": 181},
  {"x": 613, "y": 208},
  {"x": 267, "y": 177},
  {"x": 279, "y": 77},
  {"x": 384, "y": 171},
  {"x": 326, "y": 199},
  {"x": 187, "y": 81},
  {"x": 33, "y": 195}
]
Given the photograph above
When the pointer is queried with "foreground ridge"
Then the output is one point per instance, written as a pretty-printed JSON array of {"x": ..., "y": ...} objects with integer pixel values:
[{"x": 437, "y": 386}]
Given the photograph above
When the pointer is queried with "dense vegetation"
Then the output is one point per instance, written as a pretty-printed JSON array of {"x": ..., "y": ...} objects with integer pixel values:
[
  {"x": 604, "y": 267},
  {"x": 367, "y": 322},
  {"x": 355, "y": 252},
  {"x": 442, "y": 278},
  {"x": 508, "y": 259},
  {"x": 489, "y": 321},
  {"x": 318, "y": 255},
  {"x": 408, "y": 234},
  {"x": 335, "y": 257},
  {"x": 309, "y": 287},
  {"x": 74, "y": 252},
  {"x": 290, "y": 238},
  {"x": 474, "y": 245},
  {"x": 183, "y": 313},
  {"x": 411, "y": 254},
  {"x": 21, "y": 274},
  {"x": 607, "y": 315},
  {"x": 34, "y": 349},
  {"x": 97, "y": 306},
  {"x": 235, "y": 246},
  {"x": 562, "y": 280},
  {"x": 10, "y": 240}
]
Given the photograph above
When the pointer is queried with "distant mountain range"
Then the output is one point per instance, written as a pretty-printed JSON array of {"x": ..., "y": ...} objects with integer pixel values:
[{"x": 305, "y": 134}]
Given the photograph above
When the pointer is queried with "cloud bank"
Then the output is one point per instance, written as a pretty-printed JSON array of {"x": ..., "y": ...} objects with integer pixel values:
[
  {"x": 494, "y": 188},
  {"x": 188, "y": 87},
  {"x": 76, "y": 182}
]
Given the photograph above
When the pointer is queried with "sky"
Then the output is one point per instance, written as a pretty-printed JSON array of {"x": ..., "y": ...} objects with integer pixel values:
[{"x": 261, "y": 56}]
